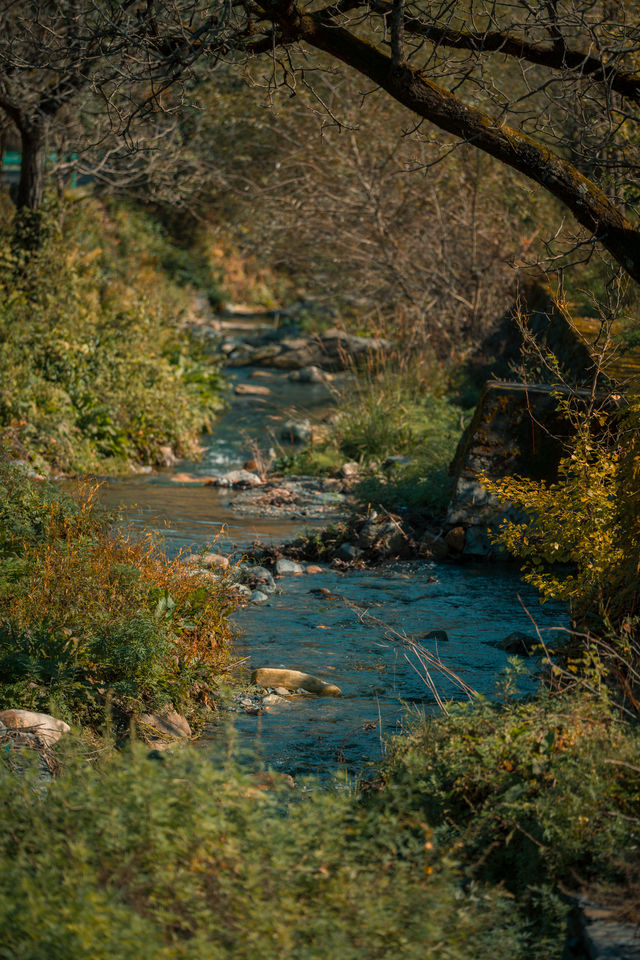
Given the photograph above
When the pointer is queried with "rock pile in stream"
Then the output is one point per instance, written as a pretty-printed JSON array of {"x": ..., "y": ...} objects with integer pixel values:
[
  {"x": 367, "y": 541},
  {"x": 332, "y": 350}
]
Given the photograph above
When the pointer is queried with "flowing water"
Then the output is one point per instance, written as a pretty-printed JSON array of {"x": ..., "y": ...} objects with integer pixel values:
[{"x": 299, "y": 628}]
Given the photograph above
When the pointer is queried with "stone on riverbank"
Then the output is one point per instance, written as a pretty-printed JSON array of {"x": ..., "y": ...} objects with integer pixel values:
[
  {"x": 286, "y": 568},
  {"x": 258, "y": 597},
  {"x": 296, "y": 431},
  {"x": 294, "y": 680},
  {"x": 214, "y": 561},
  {"x": 46, "y": 728},
  {"x": 347, "y": 551},
  {"x": 522, "y": 644},
  {"x": 273, "y": 700},
  {"x": 167, "y": 722},
  {"x": 258, "y": 578},
  {"x": 235, "y": 478},
  {"x": 251, "y": 390}
]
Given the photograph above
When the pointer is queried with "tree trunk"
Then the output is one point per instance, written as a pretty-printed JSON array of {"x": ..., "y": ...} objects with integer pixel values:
[
  {"x": 27, "y": 234},
  {"x": 32, "y": 167}
]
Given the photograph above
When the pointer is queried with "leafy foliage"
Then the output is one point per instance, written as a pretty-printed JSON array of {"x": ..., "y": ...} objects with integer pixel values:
[
  {"x": 197, "y": 860},
  {"x": 533, "y": 794},
  {"x": 96, "y": 372},
  {"x": 87, "y": 615}
]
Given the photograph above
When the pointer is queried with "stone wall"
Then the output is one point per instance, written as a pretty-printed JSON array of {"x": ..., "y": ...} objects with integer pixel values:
[{"x": 517, "y": 429}]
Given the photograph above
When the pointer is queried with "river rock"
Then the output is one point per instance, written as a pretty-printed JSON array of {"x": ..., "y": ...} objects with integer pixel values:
[
  {"x": 258, "y": 597},
  {"x": 309, "y": 375},
  {"x": 214, "y": 561},
  {"x": 167, "y": 722},
  {"x": 313, "y": 568},
  {"x": 349, "y": 470},
  {"x": 186, "y": 478},
  {"x": 520, "y": 643},
  {"x": 272, "y": 700},
  {"x": 369, "y": 533},
  {"x": 46, "y": 728},
  {"x": 347, "y": 551},
  {"x": 241, "y": 591},
  {"x": 286, "y": 567},
  {"x": 191, "y": 559},
  {"x": 296, "y": 431},
  {"x": 258, "y": 578},
  {"x": 392, "y": 540},
  {"x": 282, "y": 691},
  {"x": 440, "y": 636},
  {"x": 433, "y": 546},
  {"x": 251, "y": 390},
  {"x": 455, "y": 539},
  {"x": 239, "y": 478},
  {"x": 294, "y": 680}
]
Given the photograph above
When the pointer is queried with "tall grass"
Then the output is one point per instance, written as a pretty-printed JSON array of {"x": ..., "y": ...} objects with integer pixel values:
[
  {"x": 191, "y": 858},
  {"x": 395, "y": 407}
]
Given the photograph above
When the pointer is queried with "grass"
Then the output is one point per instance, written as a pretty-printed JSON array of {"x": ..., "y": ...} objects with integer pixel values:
[
  {"x": 90, "y": 618},
  {"x": 195, "y": 860},
  {"x": 96, "y": 372},
  {"x": 397, "y": 409},
  {"x": 463, "y": 847}
]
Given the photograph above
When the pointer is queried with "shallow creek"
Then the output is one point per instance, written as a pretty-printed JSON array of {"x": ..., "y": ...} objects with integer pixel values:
[{"x": 475, "y": 604}]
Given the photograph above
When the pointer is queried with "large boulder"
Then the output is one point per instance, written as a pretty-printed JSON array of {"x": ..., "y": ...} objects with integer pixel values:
[
  {"x": 518, "y": 429},
  {"x": 45, "y": 728}
]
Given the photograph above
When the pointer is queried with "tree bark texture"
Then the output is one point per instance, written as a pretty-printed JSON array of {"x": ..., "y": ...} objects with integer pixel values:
[{"x": 32, "y": 167}]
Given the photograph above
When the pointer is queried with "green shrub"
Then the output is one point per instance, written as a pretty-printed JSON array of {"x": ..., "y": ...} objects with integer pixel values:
[
  {"x": 534, "y": 794},
  {"x": 96, "y": 372},
  {"x": 87, "y": 615},
  {"x": 191, "y": 858}
]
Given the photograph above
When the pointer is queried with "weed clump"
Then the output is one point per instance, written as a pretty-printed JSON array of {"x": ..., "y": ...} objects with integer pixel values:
[
  {"x": 88, "y": 616},
  {"x": 543, "y": 796},
  {"x": 400, "y": 428}
]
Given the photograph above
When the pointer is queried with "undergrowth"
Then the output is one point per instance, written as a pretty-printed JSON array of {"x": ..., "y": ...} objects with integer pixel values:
[
  {"x": 402, "y": 431},
  {"x": 194, "y": 860},
  {"x": 91, "y": 620},
  {"x": 543, "y": 796},
  {"x": 96, "y": 372}
]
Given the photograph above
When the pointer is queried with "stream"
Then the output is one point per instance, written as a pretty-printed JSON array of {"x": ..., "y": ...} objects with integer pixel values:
[{"x": 303, "y": 629}]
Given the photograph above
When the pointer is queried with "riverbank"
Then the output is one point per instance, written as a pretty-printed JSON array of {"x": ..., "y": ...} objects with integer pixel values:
[
  {"x": 472, "y": 835},
  {"x": 97, "y": 627}
]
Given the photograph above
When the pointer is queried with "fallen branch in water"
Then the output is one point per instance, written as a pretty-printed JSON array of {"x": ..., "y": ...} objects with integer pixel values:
[{"x": 417, "y": 656}]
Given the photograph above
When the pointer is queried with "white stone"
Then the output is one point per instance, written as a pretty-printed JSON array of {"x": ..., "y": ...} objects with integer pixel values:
[
  {"x": 272, "y": 700},
  {"x": 286, "y": 567},
  {"x": 47, "y": 729}
]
